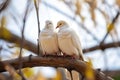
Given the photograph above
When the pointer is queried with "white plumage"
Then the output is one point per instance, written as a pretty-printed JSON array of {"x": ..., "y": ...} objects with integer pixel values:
[
  {"x": 68, "y": 41},
  {"x": 48, "y": 39}
]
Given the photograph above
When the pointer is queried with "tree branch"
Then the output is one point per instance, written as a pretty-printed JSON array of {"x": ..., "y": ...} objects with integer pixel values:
[
  {"x": 102, "y": 46},
  {"x": 4, "y": 5},
  {"x": 38, "y": 21},
  {"x": 16, "y": 39},
  {"x": 33, "y": 47},
  {"x": 68, "y": 63},
  {"x": 112, "y": 73}
]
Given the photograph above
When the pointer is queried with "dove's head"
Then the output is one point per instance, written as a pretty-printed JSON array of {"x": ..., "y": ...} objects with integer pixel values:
[
  {"x": 48, "y": 24},
  {"x": 61, "y": 23}
]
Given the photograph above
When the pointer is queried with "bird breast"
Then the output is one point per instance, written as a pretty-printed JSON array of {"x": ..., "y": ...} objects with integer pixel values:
[{"x": 48, "y": 43}]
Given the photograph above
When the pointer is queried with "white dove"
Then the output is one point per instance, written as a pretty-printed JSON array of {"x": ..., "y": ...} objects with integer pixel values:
[
  {"x": 48, "y": 39},
  {"x": 68, "y": 41}
]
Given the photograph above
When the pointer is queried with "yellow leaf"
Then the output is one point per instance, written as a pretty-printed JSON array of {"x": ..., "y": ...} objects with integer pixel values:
[
  {"x": 39, "y": 76},
  {"x": 28, "y": 72},
  {"x": 110, "y": 27},
  {"x": 58, "y": 76},
  {"x": 89, "y": 73},
  {"x": 114, "y": 35},
  {"x": 3, "y": 22},
  {"x": 4, "y": 32},
  {"x": 17, "y": 77}
]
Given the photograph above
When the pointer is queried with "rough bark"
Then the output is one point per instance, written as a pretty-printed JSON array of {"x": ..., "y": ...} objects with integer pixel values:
[{"x": 68, "y": 63}]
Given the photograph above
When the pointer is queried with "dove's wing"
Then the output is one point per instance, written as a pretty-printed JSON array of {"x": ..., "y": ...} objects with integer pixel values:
[
  {"x": 55, "y": 38},
  {"x": 55, "y": 42},
  {"x": 76, "y": 43}
]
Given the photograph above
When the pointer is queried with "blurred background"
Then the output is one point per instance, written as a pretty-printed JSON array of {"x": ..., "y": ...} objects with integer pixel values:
[{"x": 95, "y": 21}]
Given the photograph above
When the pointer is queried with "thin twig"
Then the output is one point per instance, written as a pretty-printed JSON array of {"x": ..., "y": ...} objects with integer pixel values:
[
  {"x": 22, "y": 42},
  {"x": 113, "y": 21},
  {"x": 4, "y": 5},
  {"x": 38, "y": 21}
]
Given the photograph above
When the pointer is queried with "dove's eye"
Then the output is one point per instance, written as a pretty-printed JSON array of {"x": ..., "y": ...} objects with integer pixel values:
[{"x": 60, "y": 23}]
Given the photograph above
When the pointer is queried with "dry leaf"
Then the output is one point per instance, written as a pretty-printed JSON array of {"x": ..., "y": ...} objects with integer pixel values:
[
  {"x": 28, "y": 72},
  {"x": 92, "y": 3},
  {"x": 93, "y": 15},
  {"x": 78, "y": 9},
  {"x": 114, "y": 35},
  {"x": 93, "y": 6},
  {"x": 118, "y": 2}
]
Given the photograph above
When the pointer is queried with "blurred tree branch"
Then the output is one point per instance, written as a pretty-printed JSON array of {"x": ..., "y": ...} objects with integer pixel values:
[
  {"x": 112, "y": 73},
  {"x": 33, "y": 47},
  {"x": 36, "y": 4},
  {"x": 4, "y": 5},
  {"x": 110, "y": 28},
  {"x": 68, "y": 63},
  {"x": 102, "y": 46}
]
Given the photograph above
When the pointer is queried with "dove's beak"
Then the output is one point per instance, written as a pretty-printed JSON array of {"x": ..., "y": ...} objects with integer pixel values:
[{"x": 57, "y": 27}]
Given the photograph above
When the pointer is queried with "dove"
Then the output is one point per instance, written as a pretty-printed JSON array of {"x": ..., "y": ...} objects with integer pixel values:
[
  {"x": 68, "y": 41},
  {"x": 48, "y": 39}
]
